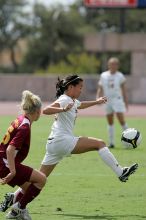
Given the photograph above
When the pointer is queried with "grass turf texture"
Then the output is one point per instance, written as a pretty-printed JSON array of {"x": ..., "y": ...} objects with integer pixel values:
[{"x": 82, "y": 186}]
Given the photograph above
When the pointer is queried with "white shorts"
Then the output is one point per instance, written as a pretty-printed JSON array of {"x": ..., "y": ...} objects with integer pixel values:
[
  {"x": 59, "y": 147},
  {"x": 115, "y": 105}
]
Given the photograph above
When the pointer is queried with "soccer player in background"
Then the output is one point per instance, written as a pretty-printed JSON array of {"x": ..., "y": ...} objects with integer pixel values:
[
  {"x": 112, "y": 85},
  {"x": 62, "y": 142},
  {"x": 13, "y": 150}
]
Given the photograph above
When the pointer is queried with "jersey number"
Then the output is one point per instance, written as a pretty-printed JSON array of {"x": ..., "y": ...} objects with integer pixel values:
[{"x": 7, "y": 135}]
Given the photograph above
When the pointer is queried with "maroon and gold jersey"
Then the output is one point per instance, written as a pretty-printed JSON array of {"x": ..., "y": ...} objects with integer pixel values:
[{"x": 18, "y": 135}]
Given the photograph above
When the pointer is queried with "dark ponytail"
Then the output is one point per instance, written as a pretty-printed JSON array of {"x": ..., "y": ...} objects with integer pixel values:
[
  {"x": 63, "y": 84},
  {"x": 59, "y": 87}
]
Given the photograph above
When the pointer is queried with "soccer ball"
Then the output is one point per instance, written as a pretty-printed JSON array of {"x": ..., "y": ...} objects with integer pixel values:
[{"x": 131, "y": 138}]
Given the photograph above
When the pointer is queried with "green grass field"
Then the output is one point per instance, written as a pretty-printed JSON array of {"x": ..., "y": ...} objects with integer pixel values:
[{"x": 82, "y": 186}]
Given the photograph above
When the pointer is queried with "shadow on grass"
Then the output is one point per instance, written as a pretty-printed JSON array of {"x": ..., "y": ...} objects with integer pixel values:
[{"x": 104, "y": 216}]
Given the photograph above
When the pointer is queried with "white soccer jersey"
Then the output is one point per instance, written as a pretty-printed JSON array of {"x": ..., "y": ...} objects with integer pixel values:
[
  {"x": 111, "y": 84},
  {"x": 64, "y": 121}
]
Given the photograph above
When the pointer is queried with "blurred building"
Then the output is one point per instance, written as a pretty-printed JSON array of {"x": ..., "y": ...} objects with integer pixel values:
[
  {"x": 11, "y": 86},
  {"x": 135, "y": 43}
]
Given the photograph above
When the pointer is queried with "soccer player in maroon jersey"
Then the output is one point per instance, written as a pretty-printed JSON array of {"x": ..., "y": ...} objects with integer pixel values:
[{"x": 13, "y": 150}]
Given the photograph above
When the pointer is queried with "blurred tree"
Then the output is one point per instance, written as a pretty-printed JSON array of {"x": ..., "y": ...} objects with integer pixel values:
[
  {"x": 75, "y": 63},
  {"x": 133, "y": 19},
  {"x": 57, "y": 33},
  {"x": 13, "y": 26}
]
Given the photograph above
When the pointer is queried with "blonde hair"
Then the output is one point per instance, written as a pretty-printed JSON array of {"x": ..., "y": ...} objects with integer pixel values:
[
  {"x": 113, "y": 60},
  {"x": 30, "y": 102}
]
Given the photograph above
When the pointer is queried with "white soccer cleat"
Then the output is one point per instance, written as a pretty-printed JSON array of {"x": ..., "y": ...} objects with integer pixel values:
[{"x": 17, "y": 213}]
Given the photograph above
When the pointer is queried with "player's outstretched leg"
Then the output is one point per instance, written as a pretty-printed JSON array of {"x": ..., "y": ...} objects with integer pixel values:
[
  {"x": 8, "y": 201},
  {"x": 17, "y": 213},
  {"x": 122, "y": 172},
  {"x": 127, "y": 171}
]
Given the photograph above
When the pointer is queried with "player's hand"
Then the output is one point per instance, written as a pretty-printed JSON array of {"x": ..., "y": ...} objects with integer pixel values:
[
  {"x": 68, "y": 107},
  {"x": 7, "y": 179},
  {"x": 102, "y": 100}
]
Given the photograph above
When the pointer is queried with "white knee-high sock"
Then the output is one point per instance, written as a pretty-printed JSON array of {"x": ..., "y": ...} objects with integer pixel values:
[
  {"x": 111, "y": 134},
  {"x": 110, "y": 160},
  {"x": 124, "y": 127}
]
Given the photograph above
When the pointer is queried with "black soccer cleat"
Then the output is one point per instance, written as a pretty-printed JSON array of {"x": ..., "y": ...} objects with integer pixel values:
[
  {"x": 127, "y": 171},
  {"x": 111, "y": 146},
  {"x": 8, "y": 201}
]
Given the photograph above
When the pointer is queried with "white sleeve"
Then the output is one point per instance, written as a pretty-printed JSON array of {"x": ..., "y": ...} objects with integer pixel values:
[
  {"x": 63, "y": 101},
  {"x": 78, "y": 103}
]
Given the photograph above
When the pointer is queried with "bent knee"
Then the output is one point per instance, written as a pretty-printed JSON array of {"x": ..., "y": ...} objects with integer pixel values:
[
  {"x": 101, "y": 144},
  {"x": 43, "y": 179},
  {"x": 38, "y": 178}
]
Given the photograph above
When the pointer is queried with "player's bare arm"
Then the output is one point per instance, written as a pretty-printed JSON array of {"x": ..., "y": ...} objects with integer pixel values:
[
  {"x": 55, "y": 108},
  {"x": 86, "y": 104},
  {"x": 99, "y": 91},
  {"x": 124, "y": 93},
  {"x": 11, "y": 163}
]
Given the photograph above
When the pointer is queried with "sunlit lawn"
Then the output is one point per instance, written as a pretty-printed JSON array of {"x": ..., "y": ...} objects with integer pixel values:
[{"x": 82, "y": 186}]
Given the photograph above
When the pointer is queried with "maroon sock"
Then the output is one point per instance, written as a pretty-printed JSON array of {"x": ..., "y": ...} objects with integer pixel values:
[
  {"x": 18, "y": 197},
  {"x": 29, "y": 195}
]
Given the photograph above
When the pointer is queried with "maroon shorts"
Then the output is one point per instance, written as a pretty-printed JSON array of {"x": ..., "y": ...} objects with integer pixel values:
[{"x": 23, "y": 174}]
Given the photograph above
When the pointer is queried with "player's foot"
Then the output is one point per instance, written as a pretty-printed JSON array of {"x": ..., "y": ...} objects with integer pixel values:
[
  {"x": 8, "y": 201},
  {"x": 127, "y": 171},
  {"x": 17, "y": 213},
  {"x": 111, "y": 146}
]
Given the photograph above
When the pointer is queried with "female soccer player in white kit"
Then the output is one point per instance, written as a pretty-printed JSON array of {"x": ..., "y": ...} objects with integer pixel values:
[
  {"x": 112, "y": 85},
  {"x": 62, "y": 142}
]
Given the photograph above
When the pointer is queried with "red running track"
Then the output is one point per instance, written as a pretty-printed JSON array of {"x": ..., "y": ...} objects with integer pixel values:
[{"x": 12, "y": 108}]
